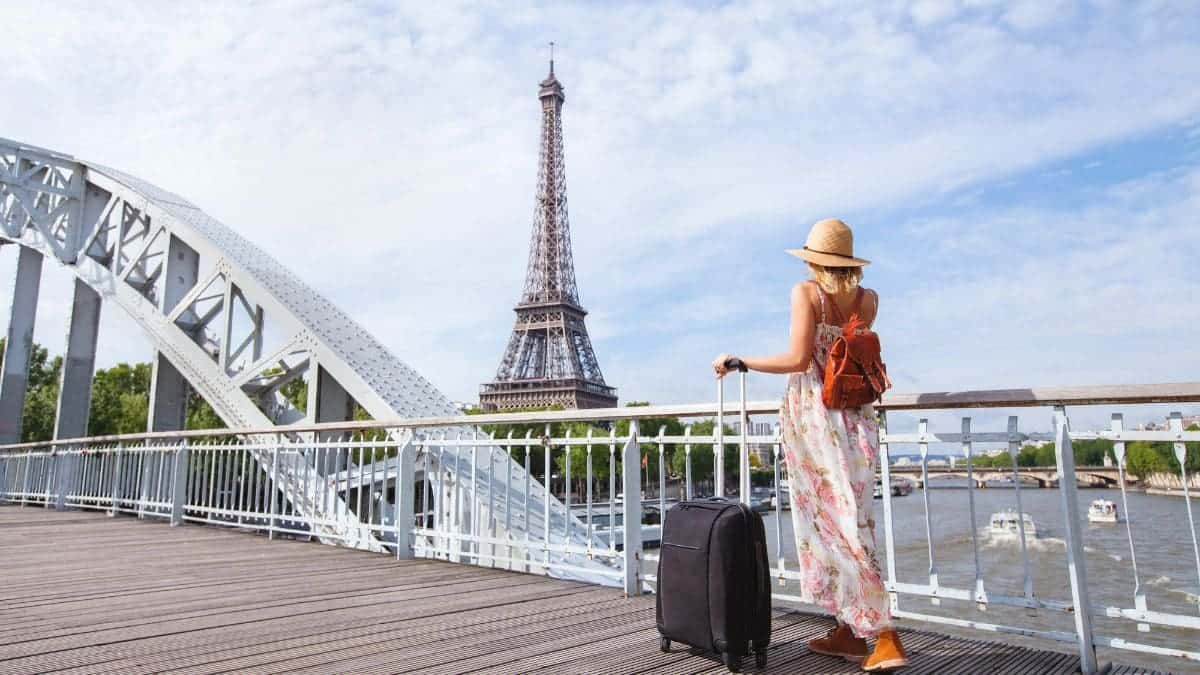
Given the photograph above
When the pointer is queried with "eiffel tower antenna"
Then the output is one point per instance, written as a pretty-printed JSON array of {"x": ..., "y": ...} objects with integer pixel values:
[{"x": 549, "y": 360}]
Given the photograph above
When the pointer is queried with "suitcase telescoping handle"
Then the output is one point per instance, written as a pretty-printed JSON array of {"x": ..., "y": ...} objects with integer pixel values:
[{"x": 733, "y": 363}]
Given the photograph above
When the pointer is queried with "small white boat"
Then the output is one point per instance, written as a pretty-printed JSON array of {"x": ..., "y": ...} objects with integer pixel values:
[
  {"x": 1007, "y": 523},
  {"x": 1102, "y": 511}
]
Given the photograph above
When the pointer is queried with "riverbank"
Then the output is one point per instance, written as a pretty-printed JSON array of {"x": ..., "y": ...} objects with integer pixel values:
[{"x": 1164, "y": 492}]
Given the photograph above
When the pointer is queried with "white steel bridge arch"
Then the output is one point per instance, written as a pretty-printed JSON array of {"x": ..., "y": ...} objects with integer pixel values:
[
  {"x": 143, "y": 248},
  {"x": 224, "y": 317}
]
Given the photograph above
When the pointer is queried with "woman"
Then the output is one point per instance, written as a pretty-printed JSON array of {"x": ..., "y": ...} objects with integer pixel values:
[{"x": 831, "y": 456}]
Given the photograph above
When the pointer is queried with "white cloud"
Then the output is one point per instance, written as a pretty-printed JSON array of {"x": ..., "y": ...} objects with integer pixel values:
[{"x": 389, "y": 153}]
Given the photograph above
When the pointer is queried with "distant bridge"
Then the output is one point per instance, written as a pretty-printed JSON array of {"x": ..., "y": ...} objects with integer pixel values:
[{"x": 1044, "y": 476}]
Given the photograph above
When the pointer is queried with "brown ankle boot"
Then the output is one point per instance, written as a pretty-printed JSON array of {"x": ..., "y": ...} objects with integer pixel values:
[
  {"x": 841, "y": 642},
  {"x": 888, "y": 653}
]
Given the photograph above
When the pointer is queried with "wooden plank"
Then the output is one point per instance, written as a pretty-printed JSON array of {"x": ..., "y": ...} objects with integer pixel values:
[
  {"x": 287, "y": 639},
  {"x": 90, "y": 594},
  {"x": 785, "y": 627},
  {"x": 466, "y": 640}
]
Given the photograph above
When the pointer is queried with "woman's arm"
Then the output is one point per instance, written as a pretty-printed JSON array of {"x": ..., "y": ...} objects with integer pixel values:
[{"x": 800, "y": 343}]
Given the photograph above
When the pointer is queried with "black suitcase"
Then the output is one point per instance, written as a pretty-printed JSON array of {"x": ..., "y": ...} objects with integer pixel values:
[{"x": 713, "y": 581}]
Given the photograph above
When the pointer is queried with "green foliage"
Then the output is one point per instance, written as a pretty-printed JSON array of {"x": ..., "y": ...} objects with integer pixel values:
[
  {"x": 1143, "y": 458},
  {"x": 703, "y": 464},
  {"x": 1092, "y": 452},
  {"x": 648, "y": 430},
  {"x": 998, "y": 461},
  {"x": 120, "y": 400},
  {"x": 1087, "y": 453},
  {"x": 1146, "y": 457},
  {"x": 41, "y": 395},
  {"x": 200, "y": 415}
]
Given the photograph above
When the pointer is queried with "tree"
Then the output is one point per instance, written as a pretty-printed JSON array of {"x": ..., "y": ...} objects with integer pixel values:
[
  {"x": 41, "y": 396},
  {"x": 1000, "y": 460},
  {"x": 120, "y": 400},
  {"x": 200, "y": 415},
  {"x": 1142, "y": 458},
  {"x": 1091, "y": 452}
]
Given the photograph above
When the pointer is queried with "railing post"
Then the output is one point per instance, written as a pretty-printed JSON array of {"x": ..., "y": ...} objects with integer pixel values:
[
  {"x": 1076, "y": 567},
  {"x": 57, "y": 460},
  {"x": 889, "y": 537},
  {"x": 271, "y": 524},
  {"x": 25, "y": 483},
  {"x": 631, "y": 466},
  {"x": 406, "y": 481},
  {"x": 179, "y": 476},
  {"x": 67, "y": 468},
  {"x": 4, "y": 460},
  {"x": 115, "y": 488}
]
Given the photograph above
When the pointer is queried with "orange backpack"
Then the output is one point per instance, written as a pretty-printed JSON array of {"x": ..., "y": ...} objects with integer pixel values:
[{"x": 855, "y": 374}]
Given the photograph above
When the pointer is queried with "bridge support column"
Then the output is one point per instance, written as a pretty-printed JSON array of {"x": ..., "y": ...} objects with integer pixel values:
[
  {"x": 328, "y": 401},
  {"x": 168, "y": 412},
  {"x": 169, "y": 390},
  {"x": 75, "y": 387},
  {"x": 168, "y": 396},
  {"x": 19, "y": 345}
]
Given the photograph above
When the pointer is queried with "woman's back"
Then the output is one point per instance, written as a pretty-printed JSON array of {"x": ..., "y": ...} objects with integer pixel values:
[{"x": 835, "y": 309}]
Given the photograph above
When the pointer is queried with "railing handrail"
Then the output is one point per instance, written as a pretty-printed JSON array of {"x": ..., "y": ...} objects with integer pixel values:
[{"x": 990, "y": 398}]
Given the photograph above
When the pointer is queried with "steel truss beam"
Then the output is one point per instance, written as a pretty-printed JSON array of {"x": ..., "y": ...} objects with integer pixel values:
[{"x": 225, "y": 319}]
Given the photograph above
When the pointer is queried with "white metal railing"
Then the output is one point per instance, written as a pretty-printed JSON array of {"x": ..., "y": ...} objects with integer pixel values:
[{"x": 442, "y": 488}]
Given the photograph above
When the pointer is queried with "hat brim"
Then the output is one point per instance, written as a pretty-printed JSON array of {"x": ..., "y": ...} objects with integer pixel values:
[{"x": 828, "y": 259}]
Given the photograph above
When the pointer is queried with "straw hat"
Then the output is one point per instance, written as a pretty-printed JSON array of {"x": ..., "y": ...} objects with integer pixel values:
[{"x": 830, "y": 244}]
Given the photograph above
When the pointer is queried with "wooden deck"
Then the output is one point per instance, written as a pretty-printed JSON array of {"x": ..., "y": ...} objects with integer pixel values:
[{"x": 88, "y": 594}]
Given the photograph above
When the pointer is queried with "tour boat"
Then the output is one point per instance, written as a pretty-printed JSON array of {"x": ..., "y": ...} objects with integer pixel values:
[
  {"x": 1102, "y": 511},
  {"x": 1008, "y": 523}
]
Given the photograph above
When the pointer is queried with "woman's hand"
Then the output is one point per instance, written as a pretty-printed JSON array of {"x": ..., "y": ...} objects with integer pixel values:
[{"x": 718, "y": 365}]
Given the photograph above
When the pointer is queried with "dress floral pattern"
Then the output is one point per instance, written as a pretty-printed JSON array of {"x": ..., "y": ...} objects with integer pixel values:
[{"x": 831, "y": 457}]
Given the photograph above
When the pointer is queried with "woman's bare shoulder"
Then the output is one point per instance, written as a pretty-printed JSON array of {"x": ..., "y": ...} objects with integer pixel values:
[
  {"x": 806, "y": 290},
  {"x": 870, "y": 304}
]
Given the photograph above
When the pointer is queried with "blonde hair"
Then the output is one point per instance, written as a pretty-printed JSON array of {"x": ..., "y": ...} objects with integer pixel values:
[{"x": 836, "y": 280}]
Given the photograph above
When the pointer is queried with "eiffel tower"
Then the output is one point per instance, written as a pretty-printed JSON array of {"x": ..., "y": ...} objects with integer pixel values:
[{"x": 549, "y": 360}]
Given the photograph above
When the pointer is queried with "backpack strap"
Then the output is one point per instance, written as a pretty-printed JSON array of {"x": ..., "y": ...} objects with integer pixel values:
[
  {"x": 835, "y": 313},
  {"x": 821, "y": 298},
  {"x": 854, "y": 308}
]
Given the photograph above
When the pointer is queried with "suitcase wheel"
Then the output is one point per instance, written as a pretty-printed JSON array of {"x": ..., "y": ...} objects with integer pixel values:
[
  {"x": 760, "y": 658},
  {"x": 732, "y": 662},
  {"x": 664, "y": 643}
]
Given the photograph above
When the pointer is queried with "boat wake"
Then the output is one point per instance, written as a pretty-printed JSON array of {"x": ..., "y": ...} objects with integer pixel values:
[
  {"x": 989, "y": 538},
  {"x": 1112, "y": 556}
]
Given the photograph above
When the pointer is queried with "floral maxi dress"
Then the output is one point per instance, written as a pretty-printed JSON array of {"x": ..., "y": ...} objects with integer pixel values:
[{"x": 831, "y": 457}]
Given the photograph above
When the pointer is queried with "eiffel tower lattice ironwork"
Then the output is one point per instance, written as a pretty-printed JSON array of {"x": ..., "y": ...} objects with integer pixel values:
[{"x": 549, "y": 360}]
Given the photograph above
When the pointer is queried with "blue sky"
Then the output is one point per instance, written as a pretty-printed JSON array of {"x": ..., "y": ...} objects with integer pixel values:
[{"x": 1024, "y": 175}]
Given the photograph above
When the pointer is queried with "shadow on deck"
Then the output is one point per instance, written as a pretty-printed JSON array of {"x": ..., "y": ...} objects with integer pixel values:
[{"x": 89, "y": 594}]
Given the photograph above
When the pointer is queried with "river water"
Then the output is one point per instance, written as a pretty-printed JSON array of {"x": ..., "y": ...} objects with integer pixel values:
[{"x": 1165, "y": 559}]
